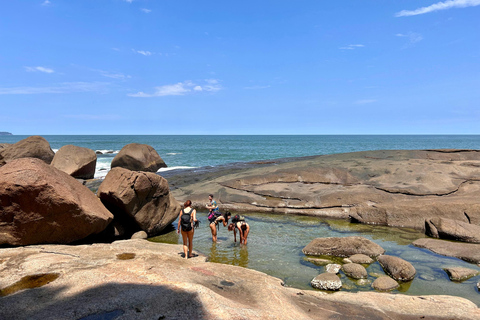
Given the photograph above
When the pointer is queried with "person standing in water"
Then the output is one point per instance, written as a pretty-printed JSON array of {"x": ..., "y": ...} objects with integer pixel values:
[
  {"x": 186, "y": 218},
  {"x": 214, "y": 217},
  {"x": 238, "y": 222}
]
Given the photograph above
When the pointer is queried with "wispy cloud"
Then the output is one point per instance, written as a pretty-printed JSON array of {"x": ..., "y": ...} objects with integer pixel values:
[
  {"x": 146, "y": 10},
  {"x": 143, "y": 52},
  {"x": 365, "y": 101},
  {"x": 412, "y": 37},
  {"x": 41, "y": 69},
  {"x": 439, "y": 6},
  {"x": 180, "y": 89},
  {"x": 352, "y": 47},
  {"x": 67, "y": 87},
  {"x": 46, "y": 3}
]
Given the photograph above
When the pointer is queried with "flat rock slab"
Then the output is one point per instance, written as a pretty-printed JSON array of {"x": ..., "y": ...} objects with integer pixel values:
[
  {"x": 469, "y": 252},
  {"x": 138, "y": 279},
  {"x": 452, "y": 230},
  {"x": 342, "y": 247},
  {"x": 460, "y": 273}
]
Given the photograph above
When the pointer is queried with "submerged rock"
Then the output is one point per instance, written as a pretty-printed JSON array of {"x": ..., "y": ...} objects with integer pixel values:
[
  {"x": 385, "y": 283},
  {"x": 327, "y": 281},
  {"x": 360, "y": 258},
  {"x": 342, "y": 247},
  {"x": 460, "y": 273},
  {"x": 397, "y": 268}
]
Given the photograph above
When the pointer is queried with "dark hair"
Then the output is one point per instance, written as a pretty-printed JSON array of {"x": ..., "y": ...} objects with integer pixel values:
[
  {"x": 210, "y": 195},
  {"x": 187, "y": 203}
]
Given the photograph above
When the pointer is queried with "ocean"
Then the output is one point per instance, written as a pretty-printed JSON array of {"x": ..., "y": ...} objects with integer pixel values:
[{"x": 191, "y": 151}]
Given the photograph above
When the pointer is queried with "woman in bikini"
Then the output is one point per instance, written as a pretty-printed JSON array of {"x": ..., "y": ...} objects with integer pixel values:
[
  {"x": 239, "y": 223},
  {"x": 186, "y": 218}
]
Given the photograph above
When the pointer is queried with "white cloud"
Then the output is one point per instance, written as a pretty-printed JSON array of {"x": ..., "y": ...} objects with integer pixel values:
[
  {"x": 67, "y": 87},
  {"x": 180, "y": 89},
  {"x": 145, "y": 53},
  {"x": 352, "y": 47},
  {"x": 41, "y": 69},
  {"x": 365, "y": 101},
  {"x": 411, "y": 36},
  {"x": 146, "y": 10},
  {"x": 46, "y": 3},
  {"x": 439, "y": 6}
]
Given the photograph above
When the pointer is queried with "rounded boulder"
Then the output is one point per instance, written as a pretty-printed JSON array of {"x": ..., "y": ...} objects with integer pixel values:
[
  {"x": 397, "y": 268},
  {"x": 31, "y": 147},
  {"x": 385, "y": 283},
  {"x": 138, "y": 157},
  {"x": 355, "y": 271},
  {"x": 76, "y": 161},
  {"x": 327, "y": 281}
]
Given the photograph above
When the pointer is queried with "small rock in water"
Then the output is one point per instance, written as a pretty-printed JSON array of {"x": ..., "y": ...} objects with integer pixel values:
[
  {"x": 333, "y": 268},
  {"x": 140, "y": 235},
  {"x": 327, "y": 281},
  {"x": 361, "y": 258},
  {"x": 427, "y": 277},
  {"x": 384, "y": 283},
  {"x": 354, "y": 270},
  {"x": 318, "y": 261},
  {"x": 460, "y": 273}
]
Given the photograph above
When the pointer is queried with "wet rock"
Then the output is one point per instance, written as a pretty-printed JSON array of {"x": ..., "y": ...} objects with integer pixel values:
[
  {"x": 41, "y": 204},
  {"x": 327, "y": 281},
  {"x": 361, "y": 258},
  {"x": 384, "y": 283},
  {"x": 333, "y": 268},
  {"x": 342, "y": 247},
  {"x": 318, "y": 261},
  {"x": 355, "y": 270},
  {"x": 138, "y": 157},
  {"x": 397, "y": 268},
  {"x": 31, "y": 147},
  {"x": 139, "y": 200},
  {"x": 460, "y": 273},
  {"x": 452, "y": 230},
  {"x": 469, "y": 252},
  {"x": 140, "y": 235},
  {"x": 76, "y": 161}
]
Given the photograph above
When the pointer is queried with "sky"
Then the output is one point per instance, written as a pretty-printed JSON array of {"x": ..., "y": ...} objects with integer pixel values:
[{"x": 240, "y": 67}]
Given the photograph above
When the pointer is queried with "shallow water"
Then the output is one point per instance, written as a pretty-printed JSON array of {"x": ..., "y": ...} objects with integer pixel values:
[{"x": 275, "y": 246}]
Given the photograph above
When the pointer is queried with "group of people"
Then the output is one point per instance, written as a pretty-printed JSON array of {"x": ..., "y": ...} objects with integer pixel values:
[{"x": 187, "y": 220}]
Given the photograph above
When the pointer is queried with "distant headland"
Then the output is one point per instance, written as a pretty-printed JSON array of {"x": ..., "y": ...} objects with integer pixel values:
[{"x": 5, "y": 134}]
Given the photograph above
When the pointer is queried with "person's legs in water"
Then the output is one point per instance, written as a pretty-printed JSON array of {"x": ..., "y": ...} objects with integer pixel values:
[
  {"x": 213, "y": 228},
  {"x": 245, "y": 230},
  {"x": 185, "y": 247},
  {"x": 190, "y": 243}
]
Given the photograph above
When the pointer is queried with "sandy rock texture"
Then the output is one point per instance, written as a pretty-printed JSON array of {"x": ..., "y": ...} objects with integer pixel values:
[
  {"x": 394, "y": 187},
  {"x": 397, "y": 268},
  {"x": 31, "y": 147},
  {"x": 138, "y": 157},
  {"x": 78, "y": 162},
  {"x": 137, "y": 279},
  {"x": 41, "y": 204}
]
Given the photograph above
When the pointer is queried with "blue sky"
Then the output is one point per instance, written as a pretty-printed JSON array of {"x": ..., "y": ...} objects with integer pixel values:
[{"x": 240, "y": 67}]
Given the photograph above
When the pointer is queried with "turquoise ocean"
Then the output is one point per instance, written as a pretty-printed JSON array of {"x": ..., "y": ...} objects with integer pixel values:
[{"x": 190, "y": 151}]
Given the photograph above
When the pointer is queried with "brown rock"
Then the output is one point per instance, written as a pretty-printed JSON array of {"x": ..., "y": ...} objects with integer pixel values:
[
  {"x": 360, "y": 258},
  {"x": 76, "y": 161},
  {"x": 460, "y": 273},
  {"x": 342, "y": 247},
  {"x": 397, "y": 268},
  {"x": 41, "y": 204},
  {"x": 327, "y": 281},
  {"x": 333, "y": 268},
  {"x": 138, "y": 157},
  {"x": 139, "y": 200},
  {"x": 385, "y": 283},
  {"x": 31, "y": 147},
  {"x": 452, "y": 230},
  {"x": 469, "y": 252},
  {"x": 355, "y": 270}
]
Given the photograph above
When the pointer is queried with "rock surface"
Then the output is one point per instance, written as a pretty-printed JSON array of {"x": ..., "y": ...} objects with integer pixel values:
[
  {"x": 360, "y": 258},
  {"x": 41, "y": 204},
  {"x": 452, "y": 229},
  {"x": 399, "y": 188},
  {"x": 138, "y": 157},
  {"x": 139, "y": 200},
  {"x": 397, "y": 268},
  {"x": 318, "y": 261},
  {"x": 327, "y": 281},
  {"x": 140, "y": 235},
  {"x": 460, "y": 273},
  {"x": 76, "y": 161},
  {"x": 31, "y": 147},
  {"x": 469, "y": 252},
  {"x": 385, "y": 283},
  {"x": 355, "y": 271},
  {"x": 138, "y": 279},
  {"x": 342, "y": 247},
  {"x": 333, "y": 268}
]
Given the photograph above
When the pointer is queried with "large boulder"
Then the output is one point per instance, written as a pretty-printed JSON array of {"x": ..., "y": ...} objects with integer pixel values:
[
  {"x": 31, "y": 147},
  {"x": 327, "y": 281},
  {"x": 76, "y": 161},
  {"x": 342, "y": 247},
  {"x": 138, "y": 157},
  {"x": 469, "y": 252},
  {"x": 139, "y": 200},
  {"x": 397, "y": 268},
  {"x": 41, "y": 204},
  {"x": 450, "y": 229}
]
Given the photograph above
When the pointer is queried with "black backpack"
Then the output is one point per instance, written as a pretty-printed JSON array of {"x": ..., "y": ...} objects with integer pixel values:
[{"x": 186, "y": 220}]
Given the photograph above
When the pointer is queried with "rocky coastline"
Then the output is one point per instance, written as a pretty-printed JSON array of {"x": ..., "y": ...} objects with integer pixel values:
[{"x": 58, "y": 234}]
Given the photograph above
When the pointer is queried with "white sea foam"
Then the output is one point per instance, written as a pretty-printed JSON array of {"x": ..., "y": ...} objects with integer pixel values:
[
  {"x": 173, "y": 153},
  {"x": 107, "y": 151},
  {"x": 55, "y": 150},
  {"x": 174, "y": 168}
]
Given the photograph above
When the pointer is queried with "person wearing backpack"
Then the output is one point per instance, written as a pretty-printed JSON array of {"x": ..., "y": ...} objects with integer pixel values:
[{"x": 186, "y": 219}]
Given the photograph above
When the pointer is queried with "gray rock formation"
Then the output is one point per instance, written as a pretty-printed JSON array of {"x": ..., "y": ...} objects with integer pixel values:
[
  {"x": 452, "y": 229},
  {"x": 355, "y": 271},
  {"x": 41, "y": 204},
  {"x": 76, "y": 161},
  {"x": 342, "y": 247},
  {"x": 138, "y": 157},
  {"x": 397, "y": 268},
  {"x": 460, "y": 273},
  {"x": 395, "y": 187},
  {"x": 333, "y": 268},
  {"x": 469, "y": 252},
  {"x": 327, "y": 281},
  {"x": 385, "y": 283},
  {"x": 139, "y": 200},
  {"x": 360, "y": 258},
  {"x": 31, "y": 147}
]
